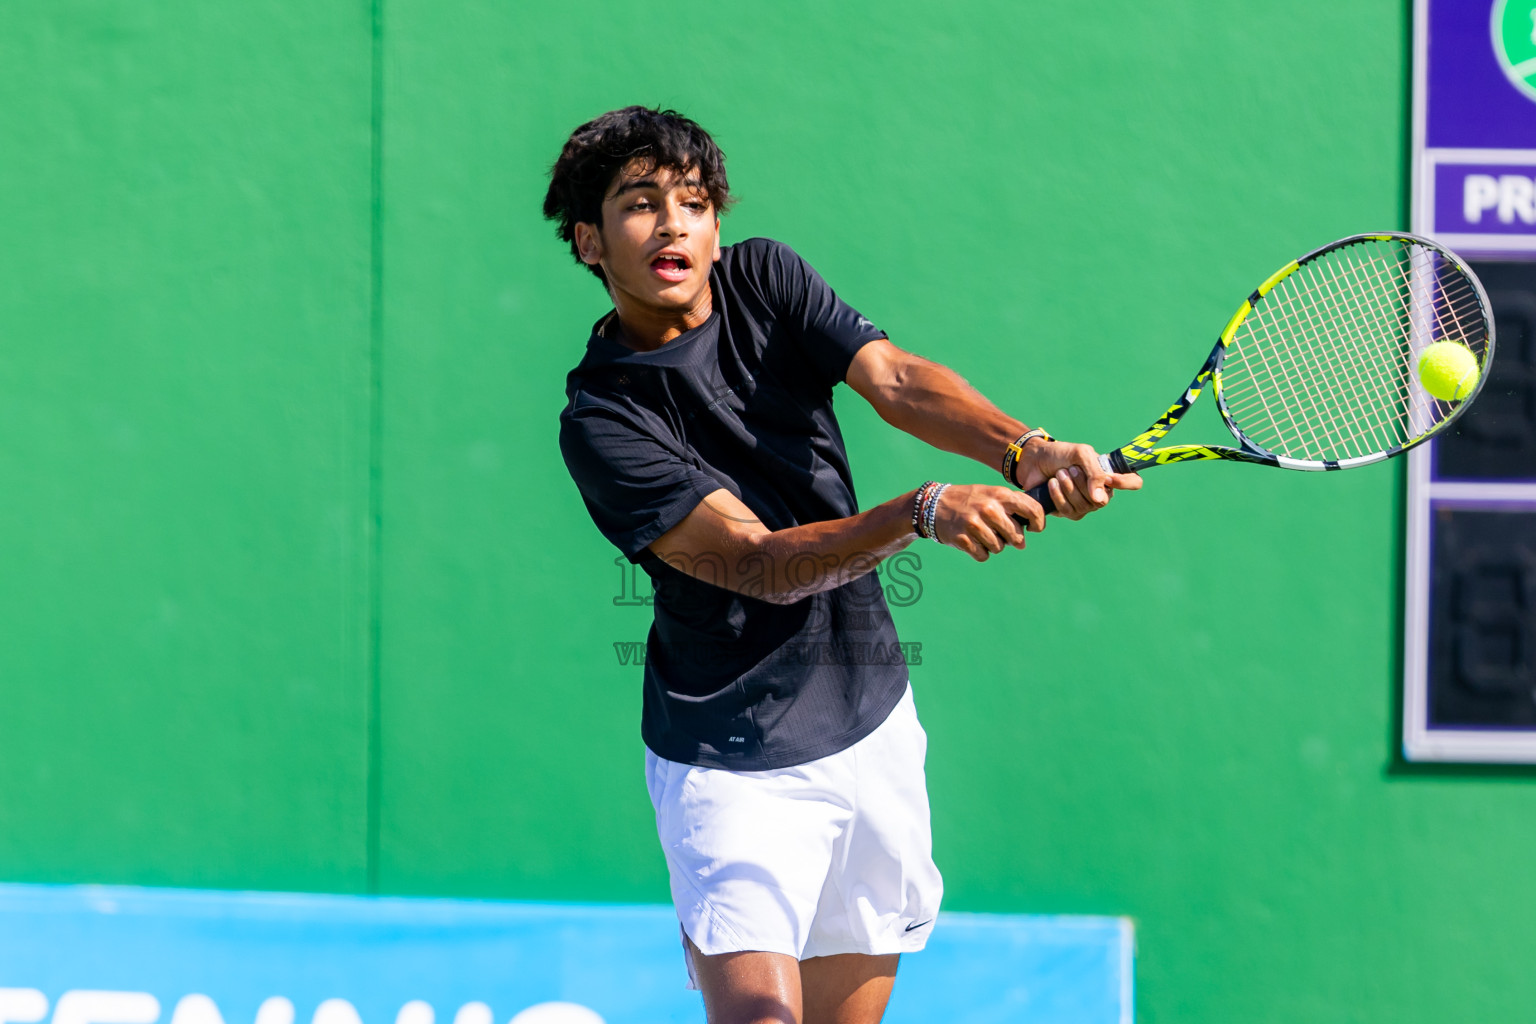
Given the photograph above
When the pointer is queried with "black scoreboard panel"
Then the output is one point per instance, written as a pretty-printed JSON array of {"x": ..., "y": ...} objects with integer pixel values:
[
  {"x": 1471, "y": 643},
  {"x": 1482, "y": 633},
  {"x": 1496, "y": 438}
]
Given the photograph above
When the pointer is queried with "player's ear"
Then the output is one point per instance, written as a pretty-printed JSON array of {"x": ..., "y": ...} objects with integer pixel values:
[
  {"x": 589, "y": 243},
  {"x": 717, "y": 240}
]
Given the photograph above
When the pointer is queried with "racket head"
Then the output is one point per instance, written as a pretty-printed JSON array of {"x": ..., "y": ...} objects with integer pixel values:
[{"x": 1318, "y": 368}]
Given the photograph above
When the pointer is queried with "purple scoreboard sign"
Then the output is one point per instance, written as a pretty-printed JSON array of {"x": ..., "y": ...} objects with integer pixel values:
[
  {"x": 1475, "y": 124},
  {"x": 1470, "y": 602}
]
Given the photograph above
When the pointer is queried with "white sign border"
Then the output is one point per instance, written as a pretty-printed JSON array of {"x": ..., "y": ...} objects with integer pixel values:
[
  {"x": 1428, "y": 163},
  {"x": 1421, "y": 743}
]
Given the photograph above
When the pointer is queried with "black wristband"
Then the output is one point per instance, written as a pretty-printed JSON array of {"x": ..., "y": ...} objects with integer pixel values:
[
  {"x": 917, "y": 507},
  {"x": 1015, "y": 451}
]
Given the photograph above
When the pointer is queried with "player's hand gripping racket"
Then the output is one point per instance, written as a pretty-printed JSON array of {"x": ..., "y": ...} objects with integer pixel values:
[{"x": 1318, "y": 369}]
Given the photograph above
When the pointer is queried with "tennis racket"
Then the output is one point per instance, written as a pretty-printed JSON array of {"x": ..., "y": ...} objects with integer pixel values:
[{"x": 1317, "y": 369}]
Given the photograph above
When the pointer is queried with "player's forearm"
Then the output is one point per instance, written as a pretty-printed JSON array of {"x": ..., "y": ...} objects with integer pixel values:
[
  {"x": 797, "y": 562},
  {"x": 722, "y": 542},
  {"x": 935, "y": 404}
]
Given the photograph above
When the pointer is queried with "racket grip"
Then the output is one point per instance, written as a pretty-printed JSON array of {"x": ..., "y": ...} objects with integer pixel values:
[
  {"x": 1112, "y": 462},
  {"x": 1042, "y": 494}
]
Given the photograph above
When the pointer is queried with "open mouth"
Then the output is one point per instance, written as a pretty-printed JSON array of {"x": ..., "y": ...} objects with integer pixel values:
[{"x": 672, "y": 268}]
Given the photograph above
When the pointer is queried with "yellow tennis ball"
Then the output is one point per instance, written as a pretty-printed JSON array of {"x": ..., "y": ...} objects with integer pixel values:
[{"x": 1448, "y": 370}]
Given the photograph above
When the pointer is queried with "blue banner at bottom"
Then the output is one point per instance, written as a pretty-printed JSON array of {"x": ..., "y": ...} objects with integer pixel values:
[{"x": 98, "y": 955}]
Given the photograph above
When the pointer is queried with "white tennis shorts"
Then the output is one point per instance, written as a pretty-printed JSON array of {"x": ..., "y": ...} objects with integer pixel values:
[{"x": 832, "y": 856}]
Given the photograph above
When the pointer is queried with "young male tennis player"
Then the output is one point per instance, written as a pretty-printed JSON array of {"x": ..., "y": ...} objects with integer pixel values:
[{"x": 785, "y": 760}]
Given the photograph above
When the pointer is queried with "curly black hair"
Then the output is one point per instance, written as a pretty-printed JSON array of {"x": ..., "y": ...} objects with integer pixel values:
[{"x": 599, "y": 149}]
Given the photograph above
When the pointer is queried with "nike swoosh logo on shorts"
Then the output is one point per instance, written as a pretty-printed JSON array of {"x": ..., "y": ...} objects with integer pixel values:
[{"x": 918, "y": 924}]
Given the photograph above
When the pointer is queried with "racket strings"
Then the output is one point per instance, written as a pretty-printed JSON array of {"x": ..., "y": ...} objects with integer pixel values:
[
  {"x": 1375, "y": 384},
  {"x": 1323, "y": 367},
  {"x": 1335, "y": 414},
  {"x": 1426, "y": 297},
  {"x": 1350, "y": 379},
  {"x": 1305, "y": 415},
  {"x": 1364, "y": 373},
  {"x": 1306, "y": 419}
]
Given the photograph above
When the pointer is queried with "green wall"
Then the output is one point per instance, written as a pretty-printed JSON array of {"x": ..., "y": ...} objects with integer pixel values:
[{"x": 297, "y": 594}]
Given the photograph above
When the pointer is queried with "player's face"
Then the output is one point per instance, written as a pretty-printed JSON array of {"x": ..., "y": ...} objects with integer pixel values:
[{"x": 660, "y": 233}]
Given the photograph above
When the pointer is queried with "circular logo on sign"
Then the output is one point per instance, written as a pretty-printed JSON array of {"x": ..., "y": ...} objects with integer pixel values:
[{"x": 1514, "y": 40}]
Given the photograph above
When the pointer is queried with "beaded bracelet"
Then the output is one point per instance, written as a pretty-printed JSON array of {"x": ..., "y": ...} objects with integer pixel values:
[
  {"x": 917, "y": 507},
  {"x": 932, "y": 511},
  {"x": 1014, "y": 452}
]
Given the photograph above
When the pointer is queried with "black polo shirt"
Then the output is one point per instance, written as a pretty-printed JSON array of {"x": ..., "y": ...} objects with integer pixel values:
[{"x": 742, "y": 402}]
